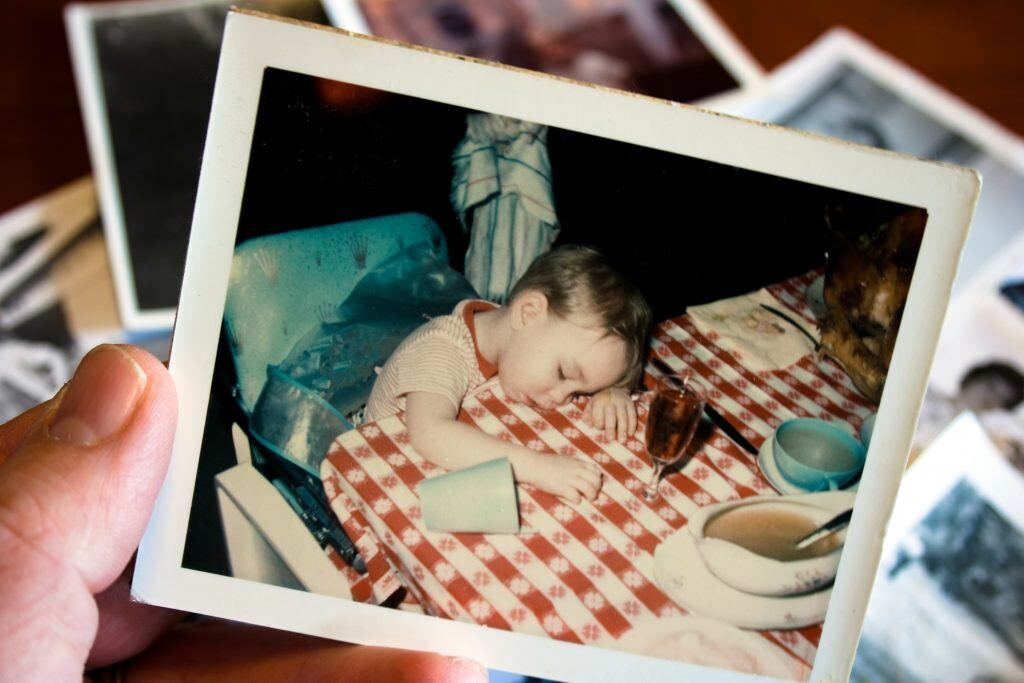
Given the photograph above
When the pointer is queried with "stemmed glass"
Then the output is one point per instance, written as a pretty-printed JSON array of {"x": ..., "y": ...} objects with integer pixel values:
[{"x": 671, "y": 423}]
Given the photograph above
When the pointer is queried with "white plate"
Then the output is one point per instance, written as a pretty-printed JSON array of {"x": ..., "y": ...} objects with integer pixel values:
[
  {"x": 680, "y": 572},
  {"x": 770, "y": 469},
  {"x": 709, "y": 642}
]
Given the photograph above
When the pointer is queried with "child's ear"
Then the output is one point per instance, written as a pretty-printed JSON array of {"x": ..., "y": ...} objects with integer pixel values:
[{"x": 529, "y": 307}]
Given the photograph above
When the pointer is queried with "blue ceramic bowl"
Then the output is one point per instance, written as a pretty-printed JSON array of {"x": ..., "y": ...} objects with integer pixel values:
[{"x": 816, "y": 455}]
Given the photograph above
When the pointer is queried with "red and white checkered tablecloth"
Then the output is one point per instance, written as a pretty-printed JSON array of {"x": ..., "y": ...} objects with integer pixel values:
[{"x": 584, "y": 573}]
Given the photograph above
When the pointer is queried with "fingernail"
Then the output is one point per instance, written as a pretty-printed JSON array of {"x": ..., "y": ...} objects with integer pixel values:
[{"x": 100, "y": 397}]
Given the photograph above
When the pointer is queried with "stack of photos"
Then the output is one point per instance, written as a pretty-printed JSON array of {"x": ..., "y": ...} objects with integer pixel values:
[
  {"x": 56, "y": 298},
  {"x": 544, "y": 374},
  {"x": 145, "y": 72},
  {"x": 954, "y": 555},
  {"x": 979, "y": 364}
]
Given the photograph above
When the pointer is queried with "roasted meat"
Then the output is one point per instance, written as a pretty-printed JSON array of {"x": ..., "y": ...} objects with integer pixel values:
[{"x": 866, "y": 283}]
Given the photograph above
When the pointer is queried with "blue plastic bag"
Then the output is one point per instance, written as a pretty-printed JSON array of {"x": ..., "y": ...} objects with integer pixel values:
[{"x": 309, "y": 398}]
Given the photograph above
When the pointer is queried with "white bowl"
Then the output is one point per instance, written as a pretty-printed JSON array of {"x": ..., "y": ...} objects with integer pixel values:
[{"x": 751, "y": 573}]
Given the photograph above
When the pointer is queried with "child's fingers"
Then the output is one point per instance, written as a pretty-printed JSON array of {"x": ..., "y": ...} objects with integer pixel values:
[
  {"x": 622, "y": 422},
  {"x": 609, "y": 422},
  {"x": 631, "y": 417},
  {"x": 588, "y": 485},
  {"x": 572, "y": 495}
]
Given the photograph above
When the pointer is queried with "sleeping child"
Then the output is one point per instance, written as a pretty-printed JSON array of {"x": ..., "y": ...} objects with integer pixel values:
[{"x": 573, "y": 326}]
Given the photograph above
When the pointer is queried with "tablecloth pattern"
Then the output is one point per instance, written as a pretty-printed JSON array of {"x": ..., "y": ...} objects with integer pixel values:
[{"x": 584, "y": 573}]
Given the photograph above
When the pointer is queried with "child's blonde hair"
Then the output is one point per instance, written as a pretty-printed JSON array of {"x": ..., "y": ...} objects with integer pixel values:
[{"x": 580, "y": 280}]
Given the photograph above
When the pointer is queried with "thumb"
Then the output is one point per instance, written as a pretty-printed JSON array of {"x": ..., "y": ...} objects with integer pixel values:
[{"x": 74, "y": 499}]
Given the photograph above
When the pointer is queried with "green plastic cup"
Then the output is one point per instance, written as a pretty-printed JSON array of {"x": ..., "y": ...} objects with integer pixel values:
[{"x": 477, "y": 499}]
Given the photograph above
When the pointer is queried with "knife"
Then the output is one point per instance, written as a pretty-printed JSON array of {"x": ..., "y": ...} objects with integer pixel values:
[{"x": 716, "y": 417}]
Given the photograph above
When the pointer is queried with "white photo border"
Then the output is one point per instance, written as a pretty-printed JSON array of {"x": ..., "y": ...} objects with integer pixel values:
[{"x": 254, "y": 42}]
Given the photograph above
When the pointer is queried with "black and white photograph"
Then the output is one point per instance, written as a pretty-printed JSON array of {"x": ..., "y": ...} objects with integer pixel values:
[
  {"x": 951, "y": 581},
  {"x": 56, "y": 299},
  {"x": 979, "y": 362},
  {"x": 145, "y": 73},
  {"x": 844, "y": 87},
  {"x": 462, "y": 375}
]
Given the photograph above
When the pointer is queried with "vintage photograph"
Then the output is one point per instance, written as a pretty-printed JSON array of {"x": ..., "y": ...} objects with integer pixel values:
[
  {"x": 676, "y": 50},
  {"x": 955, "y": 570},
  {"x": 145, "y": 73},
  {"x": 462, "y": 305},
  {"x": 475, "y": 358}
]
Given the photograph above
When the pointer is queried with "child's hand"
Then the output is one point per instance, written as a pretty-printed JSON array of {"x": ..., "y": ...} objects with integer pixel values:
[
  {"x": 562, "y": 475},
  {"x": 613, "y": 411}
]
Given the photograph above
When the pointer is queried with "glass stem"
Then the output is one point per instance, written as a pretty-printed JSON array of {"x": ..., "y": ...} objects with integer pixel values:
[{"x": 652, "y": 488}]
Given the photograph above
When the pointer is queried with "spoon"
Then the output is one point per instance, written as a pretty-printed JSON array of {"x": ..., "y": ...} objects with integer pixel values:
[{"x": 833, "y": 525}]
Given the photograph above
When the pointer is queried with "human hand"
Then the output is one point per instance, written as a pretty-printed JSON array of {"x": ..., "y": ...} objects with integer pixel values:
[
  {"x": 79, "y": 476},
  {"x": 613, "y": 411},
  {"x": 562, "y": 475}
]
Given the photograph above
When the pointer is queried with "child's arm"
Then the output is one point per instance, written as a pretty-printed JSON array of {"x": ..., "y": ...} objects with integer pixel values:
[
  {"x": 440, "y": 438},
  {"x": 613, "y": 411}
]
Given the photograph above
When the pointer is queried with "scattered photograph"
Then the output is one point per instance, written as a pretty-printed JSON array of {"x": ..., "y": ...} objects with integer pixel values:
[
  {"x": 846, "y": 88},
  {"x": 673, "y": 49},
  {"x": 472, "y": 366},
  {"x": 979, "y": 362},
  {"x": 948, "y": 604},
  {"x": 56, "y": 297},
  {"x": 145, "y": 73}
]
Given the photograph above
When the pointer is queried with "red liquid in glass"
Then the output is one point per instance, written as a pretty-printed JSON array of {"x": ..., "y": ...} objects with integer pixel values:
[{"x": 671, "y": 423}]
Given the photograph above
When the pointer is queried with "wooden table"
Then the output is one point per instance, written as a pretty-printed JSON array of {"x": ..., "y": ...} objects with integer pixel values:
[{"x": 971, "y": 49}]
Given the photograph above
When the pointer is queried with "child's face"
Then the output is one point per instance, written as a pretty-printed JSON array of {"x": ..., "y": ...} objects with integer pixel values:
[{"x": 548, "y": 360}]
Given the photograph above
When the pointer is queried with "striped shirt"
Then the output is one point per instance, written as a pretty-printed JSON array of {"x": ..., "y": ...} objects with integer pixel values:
[{"x": 441, "y": 357}]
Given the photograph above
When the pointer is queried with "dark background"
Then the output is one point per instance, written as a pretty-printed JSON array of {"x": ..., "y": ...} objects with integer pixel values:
[{"x": 687, "y": 231}]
